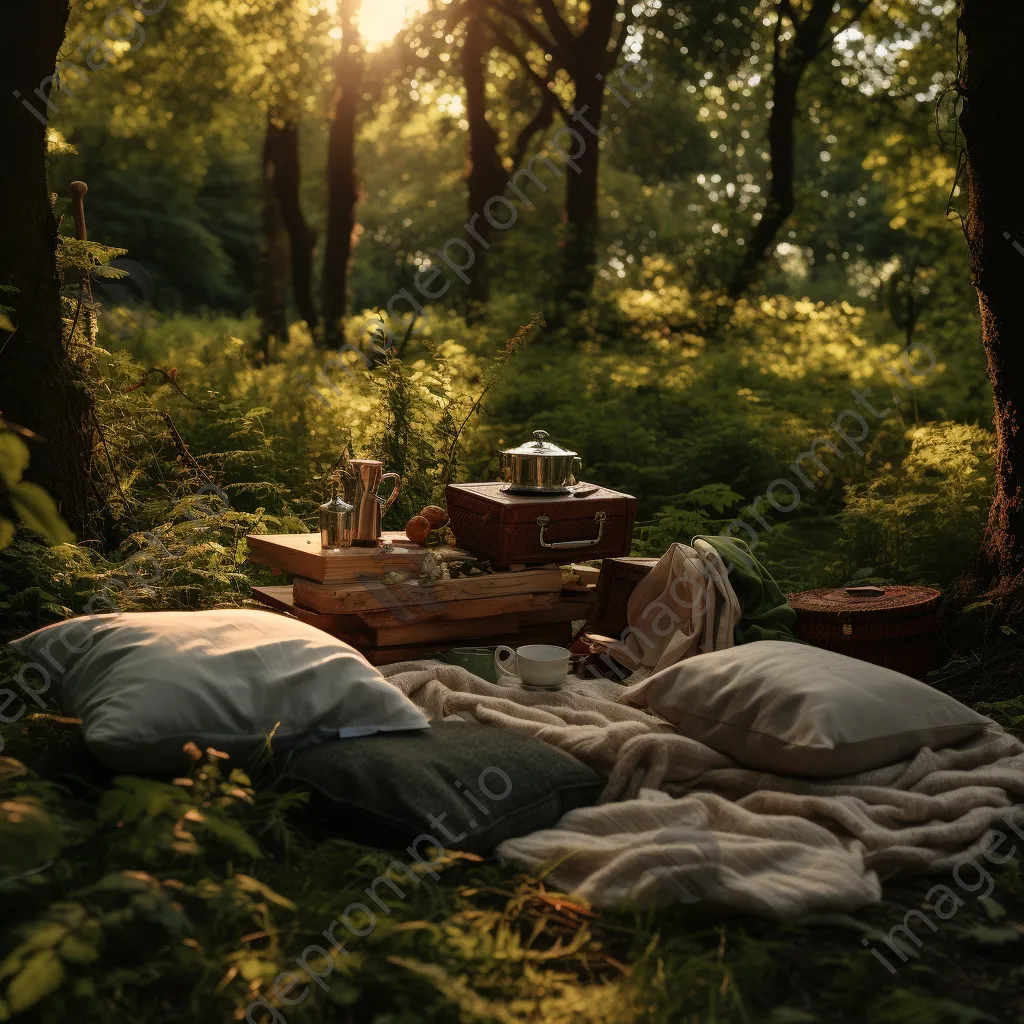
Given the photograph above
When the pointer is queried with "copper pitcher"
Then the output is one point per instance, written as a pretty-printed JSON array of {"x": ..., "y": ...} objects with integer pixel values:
[{"x": 366, "y": 476}]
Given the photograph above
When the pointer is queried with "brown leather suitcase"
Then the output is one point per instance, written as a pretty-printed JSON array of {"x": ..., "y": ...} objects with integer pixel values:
[{"x": 532, "y": 529}]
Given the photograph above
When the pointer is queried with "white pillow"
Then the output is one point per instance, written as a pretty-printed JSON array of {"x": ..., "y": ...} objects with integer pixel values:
[
  {"x": 145, "y": 683},
  {"x": 792, "y": 709}
]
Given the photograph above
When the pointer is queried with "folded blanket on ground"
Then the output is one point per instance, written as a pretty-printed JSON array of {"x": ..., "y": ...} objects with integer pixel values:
[{"x": 680, "y": 822}]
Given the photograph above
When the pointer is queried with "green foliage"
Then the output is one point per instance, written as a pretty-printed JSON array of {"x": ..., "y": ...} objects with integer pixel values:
[
  {"x": 672, "y": 523},
  {"x": 24, "y": 502},
  {"x": 922, "y": 518},
  {"x": 422, "y": 413}
]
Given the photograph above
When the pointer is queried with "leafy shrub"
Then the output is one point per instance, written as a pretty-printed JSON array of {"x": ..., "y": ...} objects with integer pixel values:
[{"x": 921, "y": 518}]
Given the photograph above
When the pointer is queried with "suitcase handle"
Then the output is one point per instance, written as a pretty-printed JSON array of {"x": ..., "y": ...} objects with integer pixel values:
[{"x": 543, "y": 522}]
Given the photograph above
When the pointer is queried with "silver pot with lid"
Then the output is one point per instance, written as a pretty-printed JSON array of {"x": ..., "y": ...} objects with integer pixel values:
[{"x": 539, "y": 466}]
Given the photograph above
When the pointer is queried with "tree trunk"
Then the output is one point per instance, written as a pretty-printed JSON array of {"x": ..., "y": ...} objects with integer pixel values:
[
  {"x": 485, "y": 175},
  {"x": 272, "y": 300},
  {"x": 788, "y": 67},
  {"x": 43, "y": 389},
  {"x": 992, "y": 87},
  {"x": 781, "y": 192},
  {"x": 587, "y": 57},
  {"x": 342, "y": 184},
  {"x": 301, "y": 237},
  {"x": 580, "y": 252}
]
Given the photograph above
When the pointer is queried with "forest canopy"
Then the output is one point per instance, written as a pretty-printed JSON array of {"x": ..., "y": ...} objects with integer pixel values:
[{"x": 290, "y": 177}]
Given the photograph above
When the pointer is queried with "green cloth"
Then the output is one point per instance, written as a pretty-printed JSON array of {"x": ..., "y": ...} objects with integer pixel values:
[{"x": 766, "y": 615}]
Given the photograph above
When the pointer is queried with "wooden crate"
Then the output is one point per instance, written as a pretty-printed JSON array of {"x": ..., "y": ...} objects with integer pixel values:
[
  {"x": 343, "y": 593},
  {"x": 615, "y": 585},
  {"x": 417, "y": 640}
]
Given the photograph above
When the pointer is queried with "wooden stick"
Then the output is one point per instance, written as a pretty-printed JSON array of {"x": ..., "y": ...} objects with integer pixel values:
[{"x": 78, "y": 190}]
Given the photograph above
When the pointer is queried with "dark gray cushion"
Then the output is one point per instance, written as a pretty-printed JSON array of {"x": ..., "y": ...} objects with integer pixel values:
[{"x": 469, "y": 786}]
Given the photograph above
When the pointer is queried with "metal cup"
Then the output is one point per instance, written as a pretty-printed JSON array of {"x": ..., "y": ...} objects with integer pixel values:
[{"x": 336, "y": 523}]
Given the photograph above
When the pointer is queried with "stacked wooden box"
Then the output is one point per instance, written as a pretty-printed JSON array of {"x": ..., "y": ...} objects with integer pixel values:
[{"x": 343, "y": 592}]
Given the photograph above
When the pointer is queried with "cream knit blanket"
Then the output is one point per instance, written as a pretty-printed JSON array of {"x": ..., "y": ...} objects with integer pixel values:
[{"x": 678, "y": 822}]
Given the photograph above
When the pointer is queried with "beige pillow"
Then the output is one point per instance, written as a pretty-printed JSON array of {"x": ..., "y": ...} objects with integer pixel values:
[
  {"x": 146, "y": 683},
  {"x": 798, "y": 710}
]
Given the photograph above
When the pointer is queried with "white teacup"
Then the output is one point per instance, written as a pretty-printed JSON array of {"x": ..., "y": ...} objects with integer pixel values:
[{"x": 536, "y": 665}]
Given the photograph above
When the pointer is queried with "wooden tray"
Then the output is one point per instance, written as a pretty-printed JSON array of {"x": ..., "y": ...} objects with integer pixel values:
[{"x": 301, "y": 555}]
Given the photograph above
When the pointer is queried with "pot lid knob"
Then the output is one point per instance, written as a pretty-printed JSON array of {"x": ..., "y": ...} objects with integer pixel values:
[
  {"x": 336, "y": 504},
  {"x": 541, "y": 436}
]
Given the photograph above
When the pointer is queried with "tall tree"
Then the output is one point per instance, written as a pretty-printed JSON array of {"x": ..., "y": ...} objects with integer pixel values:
[
  {"x": 281, "y": 165},
  {"x": 265, "y": 29},
  {"x": 485, "y": 175},
  {"x": 800, "y": 35},
  {"x": 42, "y": 387},
  {"x": 342, "y": 182},
  {"x": 272, "y": 296},
  {"x": 586, "y": 52},
  {"x": 991, "y": 86}
]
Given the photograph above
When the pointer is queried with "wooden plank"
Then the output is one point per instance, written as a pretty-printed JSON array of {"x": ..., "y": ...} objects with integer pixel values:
[
  {"x": 539, "y": 608},
  {"x": 280, "y": 599},
  {"x": 440, "y": 632},
  {"x": 371, "y": 595},
  {"x": 587, "y": 574},
  {"x": 572, "y": 606},
  {"x": 558, "y": 634},
  {"x": 301, "y": 555},
  {"x": 470, "y": 608}
]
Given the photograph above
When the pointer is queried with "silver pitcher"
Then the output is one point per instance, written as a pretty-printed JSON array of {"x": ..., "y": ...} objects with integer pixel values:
[{"x": 366, "y": 476}]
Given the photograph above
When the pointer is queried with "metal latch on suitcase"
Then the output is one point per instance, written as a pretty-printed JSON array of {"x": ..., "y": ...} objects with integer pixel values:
[{"x": 544, "y": 521}]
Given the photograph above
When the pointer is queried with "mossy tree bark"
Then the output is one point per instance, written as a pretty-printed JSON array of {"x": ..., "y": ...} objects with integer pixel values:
[
  {"x": 42, "y": 387},
  {"x": 992, "y": 89}
]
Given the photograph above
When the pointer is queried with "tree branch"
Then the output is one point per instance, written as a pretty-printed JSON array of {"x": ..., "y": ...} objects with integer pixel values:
[
  {"x": 557, "y": 26},
  {"x": 531, "y": 29},
  {"x": 858, "y": 11},
  {"x": 616, "y": 50},
  {"x": 541, "y": 120},
  {"x": 787, "y": 71},
  {"x": 544, "y": 82}
]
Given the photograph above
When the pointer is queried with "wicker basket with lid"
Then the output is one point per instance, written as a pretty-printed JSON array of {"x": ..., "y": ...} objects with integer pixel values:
[{"x": 895, "y": 629}]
